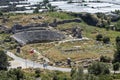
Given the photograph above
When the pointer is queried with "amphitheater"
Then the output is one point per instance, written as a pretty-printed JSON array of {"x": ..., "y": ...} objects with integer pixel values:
[
  {"x": 36, "y": 34},
  {"x": 39, "y": 32}
]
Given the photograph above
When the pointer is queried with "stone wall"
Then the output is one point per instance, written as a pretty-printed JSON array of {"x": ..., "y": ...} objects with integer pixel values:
[
  {"x": 55, "y": 23},
  {"x": 18, "y": 28}
]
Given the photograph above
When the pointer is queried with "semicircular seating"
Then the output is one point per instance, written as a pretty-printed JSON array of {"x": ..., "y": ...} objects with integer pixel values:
[{"x": 33, "y": 36}]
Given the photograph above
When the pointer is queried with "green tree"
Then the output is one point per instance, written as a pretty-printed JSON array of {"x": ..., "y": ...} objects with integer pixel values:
[
  {"x": 73, "y": 70},
  {"x": 117, "y": 25},
  {"x": 1, "y": 14},
  {"x": 3, "y": 61},
  {"x": 18, "y": 73},
  {"x": 116, "y": 66},
  {"x": 36, "y": 10},
  {"x": 105, "y": 59},
  {"x": 98, "y": 68},
  {"x": 4, "y": 75},
  {"x": 117, "y": 52},
  {"x": 77, "y": 73},
  {"x": 55, "y": 77}
]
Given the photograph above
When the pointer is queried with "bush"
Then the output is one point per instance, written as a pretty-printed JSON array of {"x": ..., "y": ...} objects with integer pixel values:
[
  {"x": 8, "y": 39},
  {"x": 99, "y": 37},
  {"x": 91, "y": 77},
  {"x": 116, "y": 76},
  {"x": 45, "y": 77},
  {"x": 105, "y": 77},
  {"x": 1, "y": 14},
  {"x": 36, "y": 10},
  {"x": 117, "y": 52},
  {"x": 98, "y": 68},
  {"x": 18, "y": 73},
  {"x": 77, "y": 73},
  {"x": 3, "y": 61},
  {"x": 106, "y": 40},
  {"x": 117, "y": 39},
  {"x": 105, "y": 59},
  {"x": 117, "y": 25},
  {"x": 37, "y": 72},
  {"x": 55, "y": 77},
  {"x": 116, "y": 66}
]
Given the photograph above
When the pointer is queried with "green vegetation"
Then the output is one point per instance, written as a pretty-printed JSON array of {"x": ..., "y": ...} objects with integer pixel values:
[
  {"x": 3, "y": 60},
  {"x": 117, "y": 25},
  {"x": 116, "y": 66},
  {"x": 105, "y": 59},
  {"x": 36, "y": 10},
  {"x": 117, "y": 52},
  {"x": 77, "y": 74},
  {"x": 1, "y": 14},
  {"x": 98, "y": 68},
  {"x": 99, "y": 37},
  {"x": 106, "y": 40},
  {"x": 60, "y": 16}
]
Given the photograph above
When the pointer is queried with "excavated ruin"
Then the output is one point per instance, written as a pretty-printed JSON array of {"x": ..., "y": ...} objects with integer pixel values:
[
  {"x": 34, "y": 36},
  {"x": 25, "y": 35},
  {"x": 39, "y": 32}
]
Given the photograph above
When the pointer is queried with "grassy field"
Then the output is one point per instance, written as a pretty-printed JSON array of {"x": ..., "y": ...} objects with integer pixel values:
[{"x": 25, "y": 19}]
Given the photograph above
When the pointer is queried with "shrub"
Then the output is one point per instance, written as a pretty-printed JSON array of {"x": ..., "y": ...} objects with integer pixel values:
[
  {"x": 91, "y": 77},
  {"x": 1, "y": 14},
  {"x": 116, "y": 66},
  {"x": 105, "y": 77},
  {"x": 98, "y": 68},
  {"x": 37, "y": 72},
  {"x": 117, "y": 26},
  {"x": 99, "y": 37},
  {"x": 18, "y": 73},
  {"x": 3, "y": 61},
  {"x": 77, "y": 73},
  {"x": 36, "y": 10},
  {"x": 117, "y": 52},
  {"x": 105, "y": 59},
  {"x": 8, "y": 39},
  {"x": 106, "y": 40}
]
